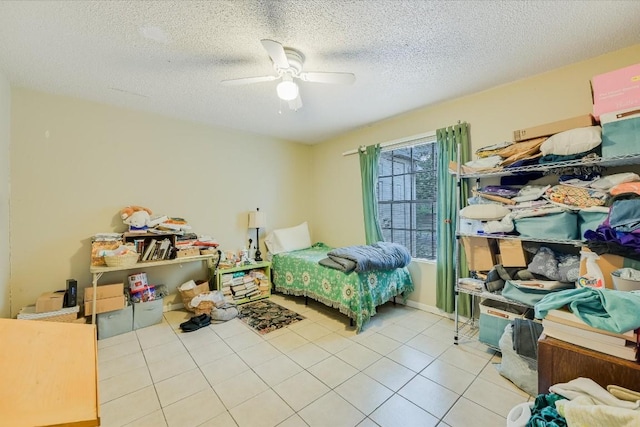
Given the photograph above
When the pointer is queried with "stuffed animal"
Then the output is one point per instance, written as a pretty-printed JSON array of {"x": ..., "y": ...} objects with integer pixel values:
[
  {"x": 138, "y": 219},
  {"x": 136, "y": 216},
  {"x": 130, "y": 210}
]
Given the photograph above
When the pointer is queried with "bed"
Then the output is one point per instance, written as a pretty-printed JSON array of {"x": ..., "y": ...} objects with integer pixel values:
[{"x": 355, "y": 294}]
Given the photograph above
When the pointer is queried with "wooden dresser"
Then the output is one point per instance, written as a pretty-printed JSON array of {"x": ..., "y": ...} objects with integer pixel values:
[
  {"x": 49, "y": 374},
  {"x": 560, "y": 362}
]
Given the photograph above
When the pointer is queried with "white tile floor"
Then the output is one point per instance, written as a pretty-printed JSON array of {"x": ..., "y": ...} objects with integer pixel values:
[{"x": 402, "y": 370}]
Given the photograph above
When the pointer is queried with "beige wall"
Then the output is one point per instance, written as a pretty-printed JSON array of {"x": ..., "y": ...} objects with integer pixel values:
[
  {"x": 75, "y": 164},
  {"x": 5, "y": 104},
  {"x": 493, "y": 115}
]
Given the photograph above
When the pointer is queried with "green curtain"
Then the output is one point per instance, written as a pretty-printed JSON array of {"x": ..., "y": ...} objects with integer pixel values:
[
  {"x": 447, "y": 140},
  {"x": 369, "y": 173}
]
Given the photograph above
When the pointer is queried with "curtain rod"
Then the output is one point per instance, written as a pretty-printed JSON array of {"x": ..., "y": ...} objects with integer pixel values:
[{"x": 395, "y": 142}]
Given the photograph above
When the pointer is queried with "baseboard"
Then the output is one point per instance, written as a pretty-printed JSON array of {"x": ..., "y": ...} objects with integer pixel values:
[
  {"x": 433, "y": 310},
  {"x": 172, "y": 307}
]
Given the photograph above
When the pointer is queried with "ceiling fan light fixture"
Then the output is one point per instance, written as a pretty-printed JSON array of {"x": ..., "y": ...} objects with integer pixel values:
[{"x": 287, "y": 90}]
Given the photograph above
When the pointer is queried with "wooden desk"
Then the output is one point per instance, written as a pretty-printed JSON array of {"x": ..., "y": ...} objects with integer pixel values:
[
  {"x": 48, "y": 374},
  {"x": 560, "y": 362}
]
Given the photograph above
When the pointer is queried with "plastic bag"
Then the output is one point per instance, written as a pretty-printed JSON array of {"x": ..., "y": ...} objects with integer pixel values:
[{"x": 519, "y": 370}]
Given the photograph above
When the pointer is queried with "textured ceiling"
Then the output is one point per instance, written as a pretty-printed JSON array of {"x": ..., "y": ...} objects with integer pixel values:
[{"x": 169, "y": 57}]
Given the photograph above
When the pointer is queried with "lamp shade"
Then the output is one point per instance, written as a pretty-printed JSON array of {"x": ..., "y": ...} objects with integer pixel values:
[{"x": 257, "y": 219}]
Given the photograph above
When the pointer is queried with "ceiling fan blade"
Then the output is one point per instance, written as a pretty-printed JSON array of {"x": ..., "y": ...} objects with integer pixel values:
[
  {"x": 321, "y": 77},
  {"x": 295, "y": 104},
  {"x": 276, "y": 52},
  {"x": 247, "y": 80}
]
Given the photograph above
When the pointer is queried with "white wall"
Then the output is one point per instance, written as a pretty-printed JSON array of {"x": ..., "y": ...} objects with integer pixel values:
[
  {"x": 493, "y": 115},
  {"x": 5, "y": 196},
  {"x": 75, "y": 164}
]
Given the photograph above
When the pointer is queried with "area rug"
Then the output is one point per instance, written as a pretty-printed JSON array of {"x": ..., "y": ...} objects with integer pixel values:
[{"x": 265, "y": 316}]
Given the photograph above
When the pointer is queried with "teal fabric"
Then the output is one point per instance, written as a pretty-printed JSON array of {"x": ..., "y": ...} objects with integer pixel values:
[
  {"x": 447, "y": 252},
  {"x": 369, "y": 174},
  {"x": 588, "y": 220},
  {"x": 525, "y": 294},
  {"x": 614, "y": 311},
  {"x": 544, "y": 413}
]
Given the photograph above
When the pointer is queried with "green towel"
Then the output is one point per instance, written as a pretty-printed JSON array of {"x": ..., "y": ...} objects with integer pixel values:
[{"x": 615, "y": 311}]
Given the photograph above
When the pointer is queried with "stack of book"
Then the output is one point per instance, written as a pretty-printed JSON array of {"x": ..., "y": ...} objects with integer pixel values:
[
  {"x": 244, "y": 287},
  {"x": 262, "y": 280},
  {"x": 226, "y": 280},
  {"x": 157, "y": 250},
  {"x": 566, "y": 326}
]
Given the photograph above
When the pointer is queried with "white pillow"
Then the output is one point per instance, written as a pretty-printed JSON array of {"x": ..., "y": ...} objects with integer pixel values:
[
  {"x": 572, "y": 141},
  {"x": 289, "y": 239},
  {"x": 487, "y": 212},
  {"x": 606, "y": 182},
  {"x": 273, "y": 246}
]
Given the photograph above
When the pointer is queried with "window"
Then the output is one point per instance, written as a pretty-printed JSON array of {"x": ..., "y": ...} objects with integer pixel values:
[{"x": 407, "y": 190}]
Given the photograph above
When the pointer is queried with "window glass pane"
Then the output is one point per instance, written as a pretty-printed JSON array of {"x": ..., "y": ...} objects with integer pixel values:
[
  {"x": 384, "y": 164},
  {"x": 401, "y": 191},
  {"x": 385, "y": 189},
  {"x": 401, "y": 215},
  {"x": 426, "y": 185},
  {"x": 425, "y": 216},
  {"x": 384, "y": 216},
  {"x": 407, "y": 190},
  {"x": 401, "y": 161},
  {"x": 425, "y": 244},
  {"x": 402, "y": 236}
]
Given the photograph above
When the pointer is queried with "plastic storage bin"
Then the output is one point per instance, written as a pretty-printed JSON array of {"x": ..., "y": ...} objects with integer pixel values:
[
  {"x": 115, "y": 322},
  {"x": 147, "y": 313},
  {"x": 494, "y": 317},
  {"x": 620, "y": 136},
  {"x": 555, "y": 226},
  {"x": 590, "y": 219}
]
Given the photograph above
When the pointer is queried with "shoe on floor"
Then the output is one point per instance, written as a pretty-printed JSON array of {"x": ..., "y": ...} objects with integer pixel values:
[
  {"x": 196, "y": 323},
  {"x": 201, "y": 318}
]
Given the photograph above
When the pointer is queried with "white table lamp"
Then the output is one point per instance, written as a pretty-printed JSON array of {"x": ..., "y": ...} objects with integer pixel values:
[{"x": 257, "y": 220}]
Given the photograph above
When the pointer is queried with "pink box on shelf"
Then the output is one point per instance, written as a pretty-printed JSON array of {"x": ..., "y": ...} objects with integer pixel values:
[{"x": 616, "y": 90}]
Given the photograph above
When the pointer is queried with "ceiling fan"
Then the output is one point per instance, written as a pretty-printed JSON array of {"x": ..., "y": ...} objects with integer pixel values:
[{"x": 288, "y": 64}]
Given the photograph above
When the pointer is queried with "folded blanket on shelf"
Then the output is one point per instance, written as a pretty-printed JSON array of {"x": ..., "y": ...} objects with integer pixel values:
[
  {"x": 378, "y": 256},
  {"x": 614, "y": 311}
]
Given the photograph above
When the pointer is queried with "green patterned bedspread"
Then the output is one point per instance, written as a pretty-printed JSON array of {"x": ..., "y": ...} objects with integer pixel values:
[{"x": 354, "y": 294}]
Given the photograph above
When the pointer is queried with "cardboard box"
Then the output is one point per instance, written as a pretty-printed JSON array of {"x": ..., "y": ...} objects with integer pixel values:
[
  {"x": 512, "y": 254},
  {"x": 182, "y": 253},
  {"x": 104, "y": 305},
  {"x": 104, "y": 291},
  {"x": 616, "y": 90},
  {"x": 553, "y": 128},
  {"x": 115, "y": 322},
  {"x": 49, "y": 301},
  {"x": 608, "y": 263},
  {"x": 480, "y": 252}
]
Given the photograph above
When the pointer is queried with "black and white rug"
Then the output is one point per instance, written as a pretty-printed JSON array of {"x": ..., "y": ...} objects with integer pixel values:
[{"x": 265, "y": 316}]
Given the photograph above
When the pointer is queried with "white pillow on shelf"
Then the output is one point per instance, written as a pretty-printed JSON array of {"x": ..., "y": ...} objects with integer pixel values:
[
  {"x": 289, "y": 239},
  {"x": 573, "y": 141},
  {"x": 485, "y": 212}
]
